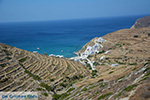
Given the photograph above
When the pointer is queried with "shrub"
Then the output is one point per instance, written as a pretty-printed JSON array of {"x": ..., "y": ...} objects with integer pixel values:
[
  {"x": 7, "y": 52},
  {"x": 62, "y": 84},
  {"x": 89, "y": 56},
  {"x": 110, "y": 72},
  {"x": 75, "y": 77},
  {"x": 39, "y": 89},
  {"x": 96, "y": 63},
  {"x": 103, "y": 85},
  {"x": 45, "y": 94},
  {"x": 4, "y": 80},
  {"x": 2, "y": 65},
  {"x": 62, "y": 96},
  {"x": 56, "y": 96},
  {"x": 22, "y": 60},
  {"x": 105, "y": 95},
  {"x": 100, "y": 52},
  {"x": 52, "y": 80},
  {"x": 121, "y": 77},
  {"x": 48, "y": 88},
  {"x": 71, "y": 89},
  {"x": 101, "y": 80},
  {"x": 132, "y": 63},
  {"x": 90, "y": 68},
  {"x": 136, "y": 36},
  {"x": 88, "y": 65},
  {"x": 130, "y": 87},
  {"x": 146, "y": 69},
  {"x": 8, "y": 58},
  {"x": 94, "y": 72},
  {"x": 84, "y": 89},
  {"x": 117, "y": 44},
  {"x": 36, "y": 77}
]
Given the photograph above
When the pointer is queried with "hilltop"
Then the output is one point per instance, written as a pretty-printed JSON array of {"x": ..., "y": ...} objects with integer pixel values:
[
  {"x": 113, "y": 67},
  {"x": 142, "y": 22}
]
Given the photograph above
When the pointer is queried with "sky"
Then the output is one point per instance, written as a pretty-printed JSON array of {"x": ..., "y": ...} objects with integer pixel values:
[{"x": 38, "y": 10}]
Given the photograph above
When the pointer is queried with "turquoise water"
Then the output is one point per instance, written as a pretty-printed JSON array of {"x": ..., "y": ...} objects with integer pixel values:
[{"x": 63, "y": 37}]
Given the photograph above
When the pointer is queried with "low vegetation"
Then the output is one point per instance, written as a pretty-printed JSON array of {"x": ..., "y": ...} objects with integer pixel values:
[{"x": 105, "y": 95}]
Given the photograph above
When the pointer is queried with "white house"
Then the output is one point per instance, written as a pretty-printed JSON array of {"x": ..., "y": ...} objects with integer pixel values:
[
  {"x": 113, "y": 65},
  {"x": 102, "y": 57}
]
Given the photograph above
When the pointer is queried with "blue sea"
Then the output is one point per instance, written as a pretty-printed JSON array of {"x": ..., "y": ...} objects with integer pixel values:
[{"x": 60, "y": 37}]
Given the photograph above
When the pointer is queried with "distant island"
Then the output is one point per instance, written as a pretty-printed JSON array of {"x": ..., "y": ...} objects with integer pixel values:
[{"x": 113, "y": 67}]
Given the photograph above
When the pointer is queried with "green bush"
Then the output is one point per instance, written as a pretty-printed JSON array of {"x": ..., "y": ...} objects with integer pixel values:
[
  {"x": 84, "y": 89},
  {"x": 96, "y": 63},
  {"x": 121, "y": 77},
  {"x": 71, "y": 89},
  {"x": 7, "y": 52},
  {"x": 146, "y": 69},
  {"x": 62, "y": 96},
  {"x": 36, "y": 77},
  {"x": 127, "y": 89},
  {"x": 89, "y": 56},
  {"x": 48, "y": 88},
  {"x": 39, "y": 89},
  {"x": 130, "y": 87},
  {"x": 52, "y": 80},
  {"x": 110, "y": 72},
  {"x": 8, "y": 58},
  {"x": 88, "y": 65},
  {"x": 100, "y": 52},
  {"x": 136, "y": 36},
  {"x": 101, "y": 80},
  {"x": 62, "y": 84},
  {"x": 105, "y": 95},
  {"x": 56, "y": 96},
  {"x": 22, "y": 60},
  {"x": 2, "y": 65},
  {"x": 94, "y": 72},
  {"x": 45, "y": 94},
  {"x": 132, "y": 63}
]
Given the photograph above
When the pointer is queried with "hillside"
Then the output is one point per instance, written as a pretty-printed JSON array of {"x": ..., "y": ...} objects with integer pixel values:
[
  {"x": 22, "y": 70},
  {"x": 122, "y": 66},
  {"x": 142, "y": 22},
  {"x": 113, "y": 67}
]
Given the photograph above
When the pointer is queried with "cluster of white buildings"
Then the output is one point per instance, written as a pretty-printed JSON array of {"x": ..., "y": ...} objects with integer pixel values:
[
  {"x": 93, "y": 49},
  {"x": 60, "y": 56}
]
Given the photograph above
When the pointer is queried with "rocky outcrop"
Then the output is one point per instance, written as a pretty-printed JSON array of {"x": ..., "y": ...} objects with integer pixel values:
[{"x": 142, "y": 22}]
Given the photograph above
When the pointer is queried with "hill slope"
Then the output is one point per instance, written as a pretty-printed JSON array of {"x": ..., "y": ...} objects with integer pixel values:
[
  {"x": 21, "y": 70},
  {"x": 124, "y": 69},
  {"x": 117, "y": 67},
  {"x": 142, "y": 22}
]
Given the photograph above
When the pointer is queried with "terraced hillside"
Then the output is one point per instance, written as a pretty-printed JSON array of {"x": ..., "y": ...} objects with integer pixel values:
[
  {"x": 21, "y": 70},
  {"x": 122, "y": 68},
  {"x": 117, "y": 68}
]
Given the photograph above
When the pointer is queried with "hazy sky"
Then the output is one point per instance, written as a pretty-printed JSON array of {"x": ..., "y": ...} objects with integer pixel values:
[{"x": 32, "y": 10}]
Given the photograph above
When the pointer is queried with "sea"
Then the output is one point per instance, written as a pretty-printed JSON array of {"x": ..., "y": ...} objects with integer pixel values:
[{"x": 60, "y": 37}]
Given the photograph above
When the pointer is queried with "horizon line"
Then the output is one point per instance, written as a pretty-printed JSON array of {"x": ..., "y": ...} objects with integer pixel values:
[{"x": 72, "y": 18}]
